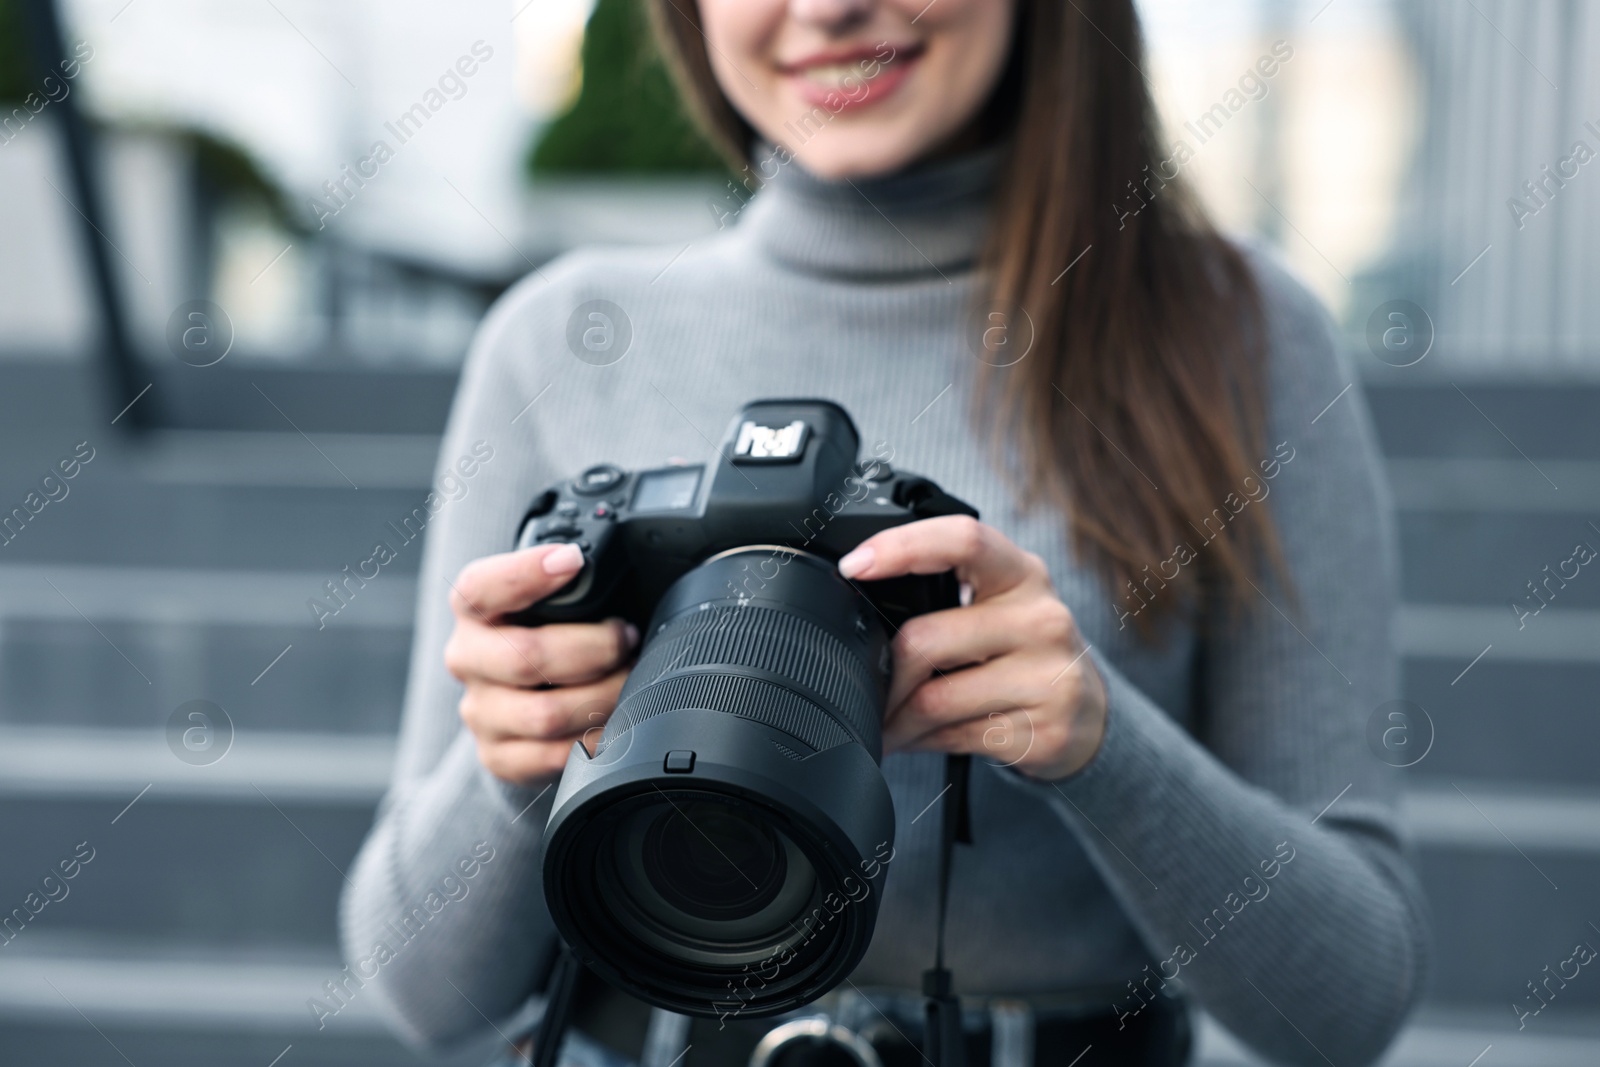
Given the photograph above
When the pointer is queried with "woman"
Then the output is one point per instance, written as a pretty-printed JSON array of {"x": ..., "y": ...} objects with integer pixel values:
[{"x": 970, "y": 235}]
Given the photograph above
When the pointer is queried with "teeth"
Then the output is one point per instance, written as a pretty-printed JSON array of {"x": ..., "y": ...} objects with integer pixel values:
[{"x": 841, "y": 75}]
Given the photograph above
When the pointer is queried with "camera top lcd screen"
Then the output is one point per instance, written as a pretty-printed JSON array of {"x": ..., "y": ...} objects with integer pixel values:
[{"x": 666, "y": 490}]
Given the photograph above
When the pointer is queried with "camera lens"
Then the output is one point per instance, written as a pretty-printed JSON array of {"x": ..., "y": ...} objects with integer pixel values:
[
  {"x": 749, "y": 882},
  {"x": 705, "y": 881}
]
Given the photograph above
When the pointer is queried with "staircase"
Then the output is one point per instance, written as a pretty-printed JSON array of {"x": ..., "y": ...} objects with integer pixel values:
[
  {"x": 179, "y": 569},
  {"x": 1504, "y": 805}
]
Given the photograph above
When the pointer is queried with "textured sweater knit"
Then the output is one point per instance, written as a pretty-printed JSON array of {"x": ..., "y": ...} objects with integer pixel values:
[{"x": 1234, "y": 834}]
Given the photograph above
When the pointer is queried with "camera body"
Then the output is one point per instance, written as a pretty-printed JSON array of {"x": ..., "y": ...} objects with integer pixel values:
[
  {"x": 718, "y": 847},
  {"x": 788, "y": 476}
]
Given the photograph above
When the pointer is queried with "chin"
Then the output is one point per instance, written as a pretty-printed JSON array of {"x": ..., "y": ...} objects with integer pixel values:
[{"x": 863, "y": 154}]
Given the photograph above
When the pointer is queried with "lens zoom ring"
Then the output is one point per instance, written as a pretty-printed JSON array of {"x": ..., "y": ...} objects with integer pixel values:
[
  {"x": 779, "y": 642},
  {"x": 749, "y": 698}
]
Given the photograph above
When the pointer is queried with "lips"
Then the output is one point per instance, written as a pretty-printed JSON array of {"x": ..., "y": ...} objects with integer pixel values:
[{"x": 852, "y": 78}]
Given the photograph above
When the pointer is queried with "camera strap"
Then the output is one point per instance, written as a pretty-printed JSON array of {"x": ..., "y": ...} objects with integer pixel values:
[
  {"x": 944, "y": 1042},
  {"x": 560, "y": 1004}
]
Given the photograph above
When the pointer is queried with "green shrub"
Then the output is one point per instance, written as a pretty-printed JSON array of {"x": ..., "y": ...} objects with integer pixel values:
[
  {"x": 627, "y": 116},
  {"x": 16, "y": 66}
]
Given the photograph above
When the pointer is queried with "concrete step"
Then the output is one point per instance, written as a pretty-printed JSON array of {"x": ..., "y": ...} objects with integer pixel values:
[
  {"x": 40, "y": 399},
  {"x": 198, "y": 596},
  {"x": 340, "y": 680},
  {"x": 1446, "y": 1038},
  {"x": 1511, "y": 878},
  {"x": 77, "y": 763},
  {"x": 124, "y": 646},
  {"x": 284, "y": 460},
  {"x": 29, "y": 1041},
  {"x": 226, "y": 869},
  {"x": 115, "y": 520},
  {"x": 1450, "y": 632},
  {"x": 1507, "y": 719},
  {"x": 1495, "y": 486},
  {"x": 112, "y": 1003},
  {"x": 1477, "y": 815},
  {"x": 1545, "y": 420},
  {"x": 1481, "y": 557}
]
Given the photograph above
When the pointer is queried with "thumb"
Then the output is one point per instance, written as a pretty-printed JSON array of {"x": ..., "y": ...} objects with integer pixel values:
[{"x": 493, "y": 586}]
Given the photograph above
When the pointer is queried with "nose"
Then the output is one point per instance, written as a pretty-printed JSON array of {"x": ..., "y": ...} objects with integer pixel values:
[{"x": 834, "y": 16}]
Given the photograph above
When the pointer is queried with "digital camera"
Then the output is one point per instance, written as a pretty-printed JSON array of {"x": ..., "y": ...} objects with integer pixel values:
[{"x": 722, "y": 848}]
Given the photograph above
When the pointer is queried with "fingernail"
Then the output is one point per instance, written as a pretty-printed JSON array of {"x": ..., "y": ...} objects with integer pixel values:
[
  {"x": 567, "y": 559},
  {"x": 630, "y": 636},
  {"x": 857, "y": 562}
]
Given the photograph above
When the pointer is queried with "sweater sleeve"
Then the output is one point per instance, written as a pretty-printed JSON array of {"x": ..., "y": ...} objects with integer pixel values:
[
  {"x": 1259, "y": 857},
  {"x": 442, "y": 950}
]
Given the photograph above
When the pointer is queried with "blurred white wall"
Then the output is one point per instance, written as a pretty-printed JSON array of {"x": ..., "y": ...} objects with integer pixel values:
[
  {"x": 1319, "y": 162},
  {"x": 45, "y": 301},
  {"x": 1511, "y": 208},
  {"x": 309, "y": 85}
]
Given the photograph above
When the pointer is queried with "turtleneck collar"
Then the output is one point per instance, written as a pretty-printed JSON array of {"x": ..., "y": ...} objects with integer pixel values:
[{"x": 927, "y": 220}]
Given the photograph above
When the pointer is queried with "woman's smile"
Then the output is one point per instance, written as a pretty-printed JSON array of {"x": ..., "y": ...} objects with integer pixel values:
[
  {"x": 854, "y": 89},
  {"x": 850, "y": 79}
]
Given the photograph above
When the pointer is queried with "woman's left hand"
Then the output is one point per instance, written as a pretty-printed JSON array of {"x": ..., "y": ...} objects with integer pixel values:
[{"x": 1005, "y": 676}]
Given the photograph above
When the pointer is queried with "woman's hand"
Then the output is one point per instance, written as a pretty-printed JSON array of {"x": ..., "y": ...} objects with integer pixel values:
[
  {"x": 1005, "y": 676},
  {"x": 531, "y": 690}
]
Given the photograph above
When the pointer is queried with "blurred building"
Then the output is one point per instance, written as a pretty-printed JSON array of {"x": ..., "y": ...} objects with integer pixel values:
[{"x": 1504, "y": 206}]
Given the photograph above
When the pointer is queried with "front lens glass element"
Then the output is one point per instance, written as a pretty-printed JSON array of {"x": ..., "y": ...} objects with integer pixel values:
[
  {"x": 706, "y": 879},
  {"x": 712, "y": 861}
]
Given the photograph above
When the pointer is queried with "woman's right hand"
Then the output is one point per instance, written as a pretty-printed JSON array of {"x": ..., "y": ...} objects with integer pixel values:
[{"x": 531, "y": 691}]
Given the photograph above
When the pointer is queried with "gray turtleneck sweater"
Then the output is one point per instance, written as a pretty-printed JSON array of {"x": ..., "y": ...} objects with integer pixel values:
[{"x": 1234, "y": 834}]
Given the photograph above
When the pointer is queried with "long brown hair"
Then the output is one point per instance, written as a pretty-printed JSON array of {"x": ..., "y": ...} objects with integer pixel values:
[{"x": 1140, "y": 410}]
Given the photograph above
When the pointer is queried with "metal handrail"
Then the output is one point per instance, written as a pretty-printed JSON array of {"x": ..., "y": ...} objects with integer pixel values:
[{"x": 116, "y": 353}]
